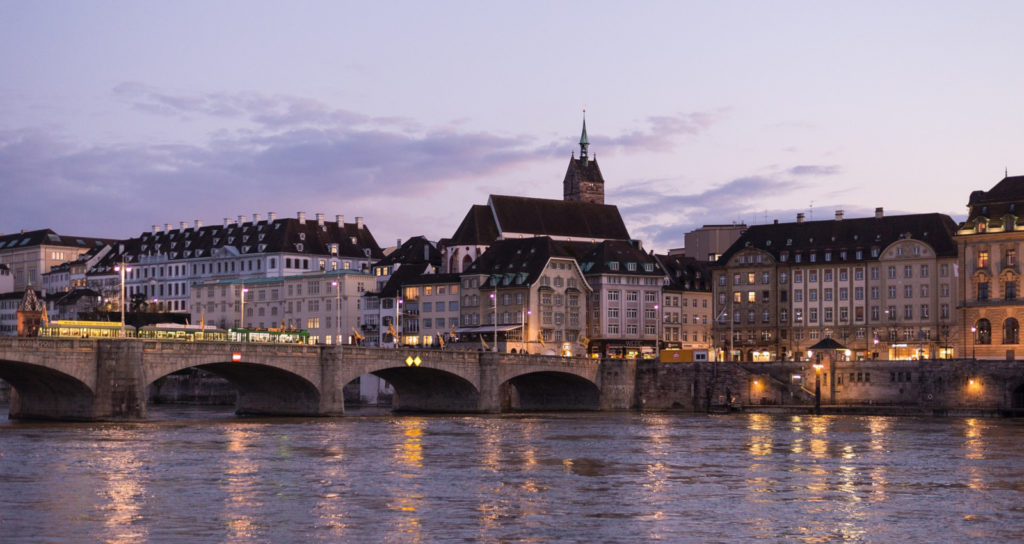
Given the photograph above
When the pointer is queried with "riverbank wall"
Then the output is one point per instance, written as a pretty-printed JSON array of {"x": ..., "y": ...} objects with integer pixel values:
[{"x": 925, "y": 387}]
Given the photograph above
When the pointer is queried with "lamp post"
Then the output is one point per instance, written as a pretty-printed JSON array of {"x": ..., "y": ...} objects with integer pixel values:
[
  {"x": 122, "y": 268},
  {"x": 817, "y": 385},
  {"x": 241, "y": 317},
  {"x": 398, "y": 311},
  {"x": 337, "y": 295},
  {"x": 974, "y": 341},
  {"x": 494, "y": 302},
  {"x": 659, "y": 329}
]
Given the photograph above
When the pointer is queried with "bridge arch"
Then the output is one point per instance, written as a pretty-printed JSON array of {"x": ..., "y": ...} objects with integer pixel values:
[
  {"x": 550, "y": 391},
  {"x": 430, "y": 390},
  {"x": 267, "y": 381},
  {"x": 40, "y": 392}
]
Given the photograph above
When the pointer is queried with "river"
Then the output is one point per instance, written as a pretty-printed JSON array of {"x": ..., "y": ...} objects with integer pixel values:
[{"x": 202, "y": 475}]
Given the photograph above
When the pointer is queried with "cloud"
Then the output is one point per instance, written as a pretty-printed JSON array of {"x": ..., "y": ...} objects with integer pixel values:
[
  {"x": 661, "y": 132},
  {"x": 815, "y": 170},
  {"x": 287, "y": 153}
]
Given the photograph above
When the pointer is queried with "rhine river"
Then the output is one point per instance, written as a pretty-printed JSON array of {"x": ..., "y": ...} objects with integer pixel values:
[{"x": 200, "y": 475}]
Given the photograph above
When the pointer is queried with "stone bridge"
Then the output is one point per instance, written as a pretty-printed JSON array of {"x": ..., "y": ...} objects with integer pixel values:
[{"x": 93, "y": 379}]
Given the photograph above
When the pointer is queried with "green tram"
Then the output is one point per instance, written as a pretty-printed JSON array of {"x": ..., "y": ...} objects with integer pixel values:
[{"x": 269, "y": 336}]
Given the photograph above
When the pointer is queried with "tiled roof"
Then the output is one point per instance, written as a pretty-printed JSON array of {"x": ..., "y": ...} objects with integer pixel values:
[
  {"x": 48, "y": 237},
  {"x": 849, "y": 235},
  {"x": 624, "y": 255},
  {"x": 519, "y": 261},
  {"x": 401, "y": 277},
  {"x": 415, "y": 250},
  {"x": 1005, "y": 199},
  {"x": 287, "y": 235},
  {"x": 558, "y": 218},
  {"x": 477, "y": 228},
  {"x": 686, "y": 273},
  {"x": 430, "y": 279},
  {"x": 588, "y": 172}
]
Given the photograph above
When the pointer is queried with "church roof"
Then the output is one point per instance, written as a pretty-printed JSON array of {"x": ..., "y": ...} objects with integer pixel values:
[
  {"x": 477, "y": 228},
  {"x": 557, "y": 218},
  {"x": 584, "y": 171}
]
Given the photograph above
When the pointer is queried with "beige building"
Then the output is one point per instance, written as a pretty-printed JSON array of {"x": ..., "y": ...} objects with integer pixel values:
[
  {"x": 883, "y": 287},
  {"x": 29, "y": 255},
  {"x": 326, "y": 305},
  {"x": 686, "y": 303},
  {"x": 990, "y": 243}
]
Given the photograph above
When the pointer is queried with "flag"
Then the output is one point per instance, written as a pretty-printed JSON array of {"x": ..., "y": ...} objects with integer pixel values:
[
  {"x": 392, "y": 332},
  {"x": 440, "y": 338},
  {"x": 451, "y": 333},
  {"x": 541, "y": 338},
  {"x": 486, "y": 347},
  {"x": 358, "y": 336},
  {"x": 583, "y": 340},
  {"x": 202, "y": 320}
]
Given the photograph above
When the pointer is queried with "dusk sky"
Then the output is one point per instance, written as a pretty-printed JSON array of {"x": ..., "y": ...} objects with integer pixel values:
[{"x": 115, "y": 116}]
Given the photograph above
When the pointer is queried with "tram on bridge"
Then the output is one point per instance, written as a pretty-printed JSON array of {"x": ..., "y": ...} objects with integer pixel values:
[{"x": 172, "y": 331}]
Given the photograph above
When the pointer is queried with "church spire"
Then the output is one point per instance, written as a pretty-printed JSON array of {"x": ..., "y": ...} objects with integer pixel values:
[{"x": 584, "y": 143}]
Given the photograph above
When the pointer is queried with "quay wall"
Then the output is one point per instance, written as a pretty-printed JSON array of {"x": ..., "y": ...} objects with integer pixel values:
[{"x": 926, "y": 386}]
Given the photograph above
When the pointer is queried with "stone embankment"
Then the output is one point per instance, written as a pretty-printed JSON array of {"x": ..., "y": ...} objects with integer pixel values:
[{"x": 926, "y": 387}]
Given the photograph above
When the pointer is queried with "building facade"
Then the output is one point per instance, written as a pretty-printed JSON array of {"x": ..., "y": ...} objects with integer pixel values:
[
  {"x": 28, "y": 255},
  {"x": 990, "y": 244},
  {"x": 883, "y": 287},
  {"x": 686, "y": 303},
  {"x": 325, "y": 304}
]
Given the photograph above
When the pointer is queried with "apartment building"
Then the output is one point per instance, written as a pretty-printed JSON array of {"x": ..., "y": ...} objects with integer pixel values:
[{"x": 990, "y": 244}]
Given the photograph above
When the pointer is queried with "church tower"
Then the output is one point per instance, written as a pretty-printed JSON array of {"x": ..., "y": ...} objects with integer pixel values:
[{"x": 583, "y": 180}]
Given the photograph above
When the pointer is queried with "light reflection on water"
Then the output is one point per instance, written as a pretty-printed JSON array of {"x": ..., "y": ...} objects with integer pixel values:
[{"x": 204, "y": 475}]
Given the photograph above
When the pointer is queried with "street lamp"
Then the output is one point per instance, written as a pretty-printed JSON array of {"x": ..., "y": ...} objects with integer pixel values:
[
  {"x": 494, "y": 302},
  {"x": 659, "y": 329},
  {"x": 398, "y": 308},
  {"x": 241, "y": 319},
  {"x": 974, "y": 341},
  {"x": 817, "y": 385},
  {"x": 337, "y": 293},
  {"x": 122, "y": 268}
]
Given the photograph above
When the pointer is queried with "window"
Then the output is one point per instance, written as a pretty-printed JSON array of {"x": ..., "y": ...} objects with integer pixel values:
[
  {"x": 983, "y": 259},
  {"x": 613, "y": 296},
  {"x": 892, "y": 272},
  {"x": 924, "y": 311},
  {"x": 798, "y": 296},
  {"x": 908, "y": 291},
  {"x": 828, "y": 315},
  {"x": 1010, "y": 290},
  {"x": 812, "y": 295},
  {"x": 798, "y": 277},
  {"x": 751, "y": 296},
  {"x": 1010, "y": 259},
  {"x": 1011, "y": 331},
  {"x": 908, "y": 271},
  {"x": 983, "y": 290},
  {"x": 874, "y": 293},
  {"x": 750, "y": 277},
  {"x": 924, "y": 271},
  {"x": 828, "y": 294},
  {"x": 858, "y": 293},
  {"x": 874, "y": 272},
  {"x": 982, "y": 332},
  {"x": 908, "y": 312},
  {"x": 812, "y": 315}
]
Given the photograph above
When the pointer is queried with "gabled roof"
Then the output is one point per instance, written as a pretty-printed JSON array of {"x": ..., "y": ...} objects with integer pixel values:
[
  {"x": 477, "y": 228},
  {"x": 30, "y": 302},
  {"x": 557, "y": 218},
  {"x": 431, "y": 279},
  {"x": 848, "y": 234},
  {"x": 415, "y": 250},
  {"x": 519, "y": 261},
  {"x": 686, "y": 273}
]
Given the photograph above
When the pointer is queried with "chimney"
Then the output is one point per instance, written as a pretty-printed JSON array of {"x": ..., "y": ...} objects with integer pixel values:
[
  {"x": 227, "y": 221},
  {"x": 199, "y": 224},
  {"x": 241, "y": 219},
  {"x": 800, "y": 217},
  {"x": 878, "y": 213},
  {"x": 183, "y": 225},
  {"x": 256, "y": 218},
  {"x": 839, "y": 215},
  {"x": 302, "y": 218},
  {"x": 167, "y": 227},
  {"x": 398, "y": 243},
  {"x": 426, "y": 252},
  {"x": 156, "y": 228},
  {"x": 776, "y": 222},
  {"x": 271, "y": 216},
  {"x": 341, "y": 220},
  {"x": 359, "y": 223}
]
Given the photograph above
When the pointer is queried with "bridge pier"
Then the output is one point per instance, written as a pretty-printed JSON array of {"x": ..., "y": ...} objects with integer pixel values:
[
  {"x": 490, "y": 384},
  {"x": 332, "y": 390},
  {"x": 618, "y": 384},
  {"x": 120, "y": 384}
]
